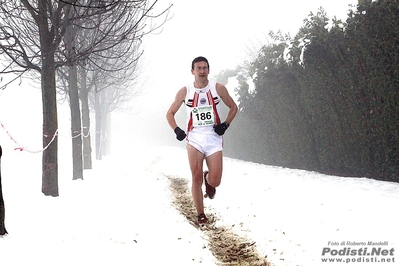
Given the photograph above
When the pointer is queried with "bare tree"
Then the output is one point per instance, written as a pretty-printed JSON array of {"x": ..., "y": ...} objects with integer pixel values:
[
  {"x": 110, "y": 91},
  {"x": 31, "y": 38},
  {"x": 111, "y": 37}
]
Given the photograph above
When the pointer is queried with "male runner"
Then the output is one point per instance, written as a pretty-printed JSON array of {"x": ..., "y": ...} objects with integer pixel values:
[{"x": 204, "y": 129}]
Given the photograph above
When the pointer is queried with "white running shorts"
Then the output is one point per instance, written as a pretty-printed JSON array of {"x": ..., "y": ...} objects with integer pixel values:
[{"x": 207, "y": 144}]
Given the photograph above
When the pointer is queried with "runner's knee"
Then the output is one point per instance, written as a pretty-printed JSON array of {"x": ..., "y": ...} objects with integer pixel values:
[
  {"x": 197, "y": 179},
  {"x": 213, "y": 180}
]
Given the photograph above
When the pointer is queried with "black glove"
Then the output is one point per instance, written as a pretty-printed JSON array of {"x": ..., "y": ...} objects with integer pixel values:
[
  {"x": 180, "y": 134},
  {"x": 221, "y": 128}
]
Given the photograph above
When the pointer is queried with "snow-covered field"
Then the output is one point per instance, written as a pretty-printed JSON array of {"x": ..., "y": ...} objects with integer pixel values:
[{"x": 121, "y": 214}]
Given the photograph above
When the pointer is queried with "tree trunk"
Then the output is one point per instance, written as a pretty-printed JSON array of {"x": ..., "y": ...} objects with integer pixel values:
[
  {"x": 50, "y": 127},
  {"x": 49, "y": 100},
  {"x": 98, "y": 119},
  {"x": 106, "y": 134},
  {"x": 3, "y": 230},
  {"x": 73, "y": 92},
  {"x": 76, "y": 125},
  {"x": 84, "y": 98}
]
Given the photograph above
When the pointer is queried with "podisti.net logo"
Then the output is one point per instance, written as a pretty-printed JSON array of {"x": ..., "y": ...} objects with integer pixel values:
[{"x": 358, "y": 252}]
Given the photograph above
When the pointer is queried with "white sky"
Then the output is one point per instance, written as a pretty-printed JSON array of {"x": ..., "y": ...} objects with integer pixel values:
[{"x": 223, "y": 31}]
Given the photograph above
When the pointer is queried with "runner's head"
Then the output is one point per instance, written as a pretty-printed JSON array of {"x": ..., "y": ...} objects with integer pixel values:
[{"x": 199, "y": 59}]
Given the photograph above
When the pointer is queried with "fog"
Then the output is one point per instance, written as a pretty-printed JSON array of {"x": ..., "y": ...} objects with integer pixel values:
[{"x": 223, "y": 31}]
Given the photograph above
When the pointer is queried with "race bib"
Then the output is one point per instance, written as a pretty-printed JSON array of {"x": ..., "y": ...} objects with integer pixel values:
[{"x": 203, "y": 116}]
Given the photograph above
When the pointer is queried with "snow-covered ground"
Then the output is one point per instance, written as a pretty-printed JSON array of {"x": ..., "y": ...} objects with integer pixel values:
[{"x": 121, "y": 214}]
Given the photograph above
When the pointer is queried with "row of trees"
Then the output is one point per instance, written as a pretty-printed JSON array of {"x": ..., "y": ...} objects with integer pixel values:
[
  {"x": 83, "y": 49},
  {"x": 326, "y": 99}
]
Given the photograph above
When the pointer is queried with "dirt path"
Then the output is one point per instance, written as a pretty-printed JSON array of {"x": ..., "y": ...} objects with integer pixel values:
[{"x": 228, "y": 247}]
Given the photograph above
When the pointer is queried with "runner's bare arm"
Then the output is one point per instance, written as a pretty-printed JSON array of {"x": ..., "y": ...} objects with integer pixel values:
[
  {"x": 179, "y": 99},
  {"x": 228, "y": 101}
]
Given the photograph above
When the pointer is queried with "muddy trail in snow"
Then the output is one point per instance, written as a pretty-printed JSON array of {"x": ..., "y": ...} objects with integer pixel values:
[{"x": 228, "y": 247}]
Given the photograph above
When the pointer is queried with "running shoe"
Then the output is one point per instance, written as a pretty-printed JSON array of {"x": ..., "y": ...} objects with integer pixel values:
[
  {"x": 210, "y": 191},
  {"x": 202, "y": 219}
]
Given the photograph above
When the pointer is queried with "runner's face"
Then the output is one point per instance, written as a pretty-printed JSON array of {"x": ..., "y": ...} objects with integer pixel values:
[{"x": 200, "y": 70}]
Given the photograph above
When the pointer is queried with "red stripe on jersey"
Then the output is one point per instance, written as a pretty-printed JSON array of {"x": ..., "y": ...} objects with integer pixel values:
[
  {"x": 195, "y": 99},
  {"x": 215, "y": 111},
  {"x": 194, "y": 104}
]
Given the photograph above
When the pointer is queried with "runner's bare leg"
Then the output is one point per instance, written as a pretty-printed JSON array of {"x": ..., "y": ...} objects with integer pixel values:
[
  {"x": 196, "y": 160},
  {"x": 215, "y": 167}
]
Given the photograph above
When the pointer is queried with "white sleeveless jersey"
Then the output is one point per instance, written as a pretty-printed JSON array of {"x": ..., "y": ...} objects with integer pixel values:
[{"x": 202, "y": 108}]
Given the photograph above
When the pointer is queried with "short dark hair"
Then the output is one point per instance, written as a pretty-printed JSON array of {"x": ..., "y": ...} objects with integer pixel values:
[{"x": 199, "y": 59}]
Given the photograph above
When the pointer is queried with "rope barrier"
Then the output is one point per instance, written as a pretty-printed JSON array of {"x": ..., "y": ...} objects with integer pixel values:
[
  {"x": 21, "y": 148},
  {"x": 78, "y": 135}
]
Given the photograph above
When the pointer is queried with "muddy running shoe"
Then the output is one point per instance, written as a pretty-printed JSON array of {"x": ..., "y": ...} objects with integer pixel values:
[
  {"x": 202, "y": 220},
  {"x": 210, "y": 191}
]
